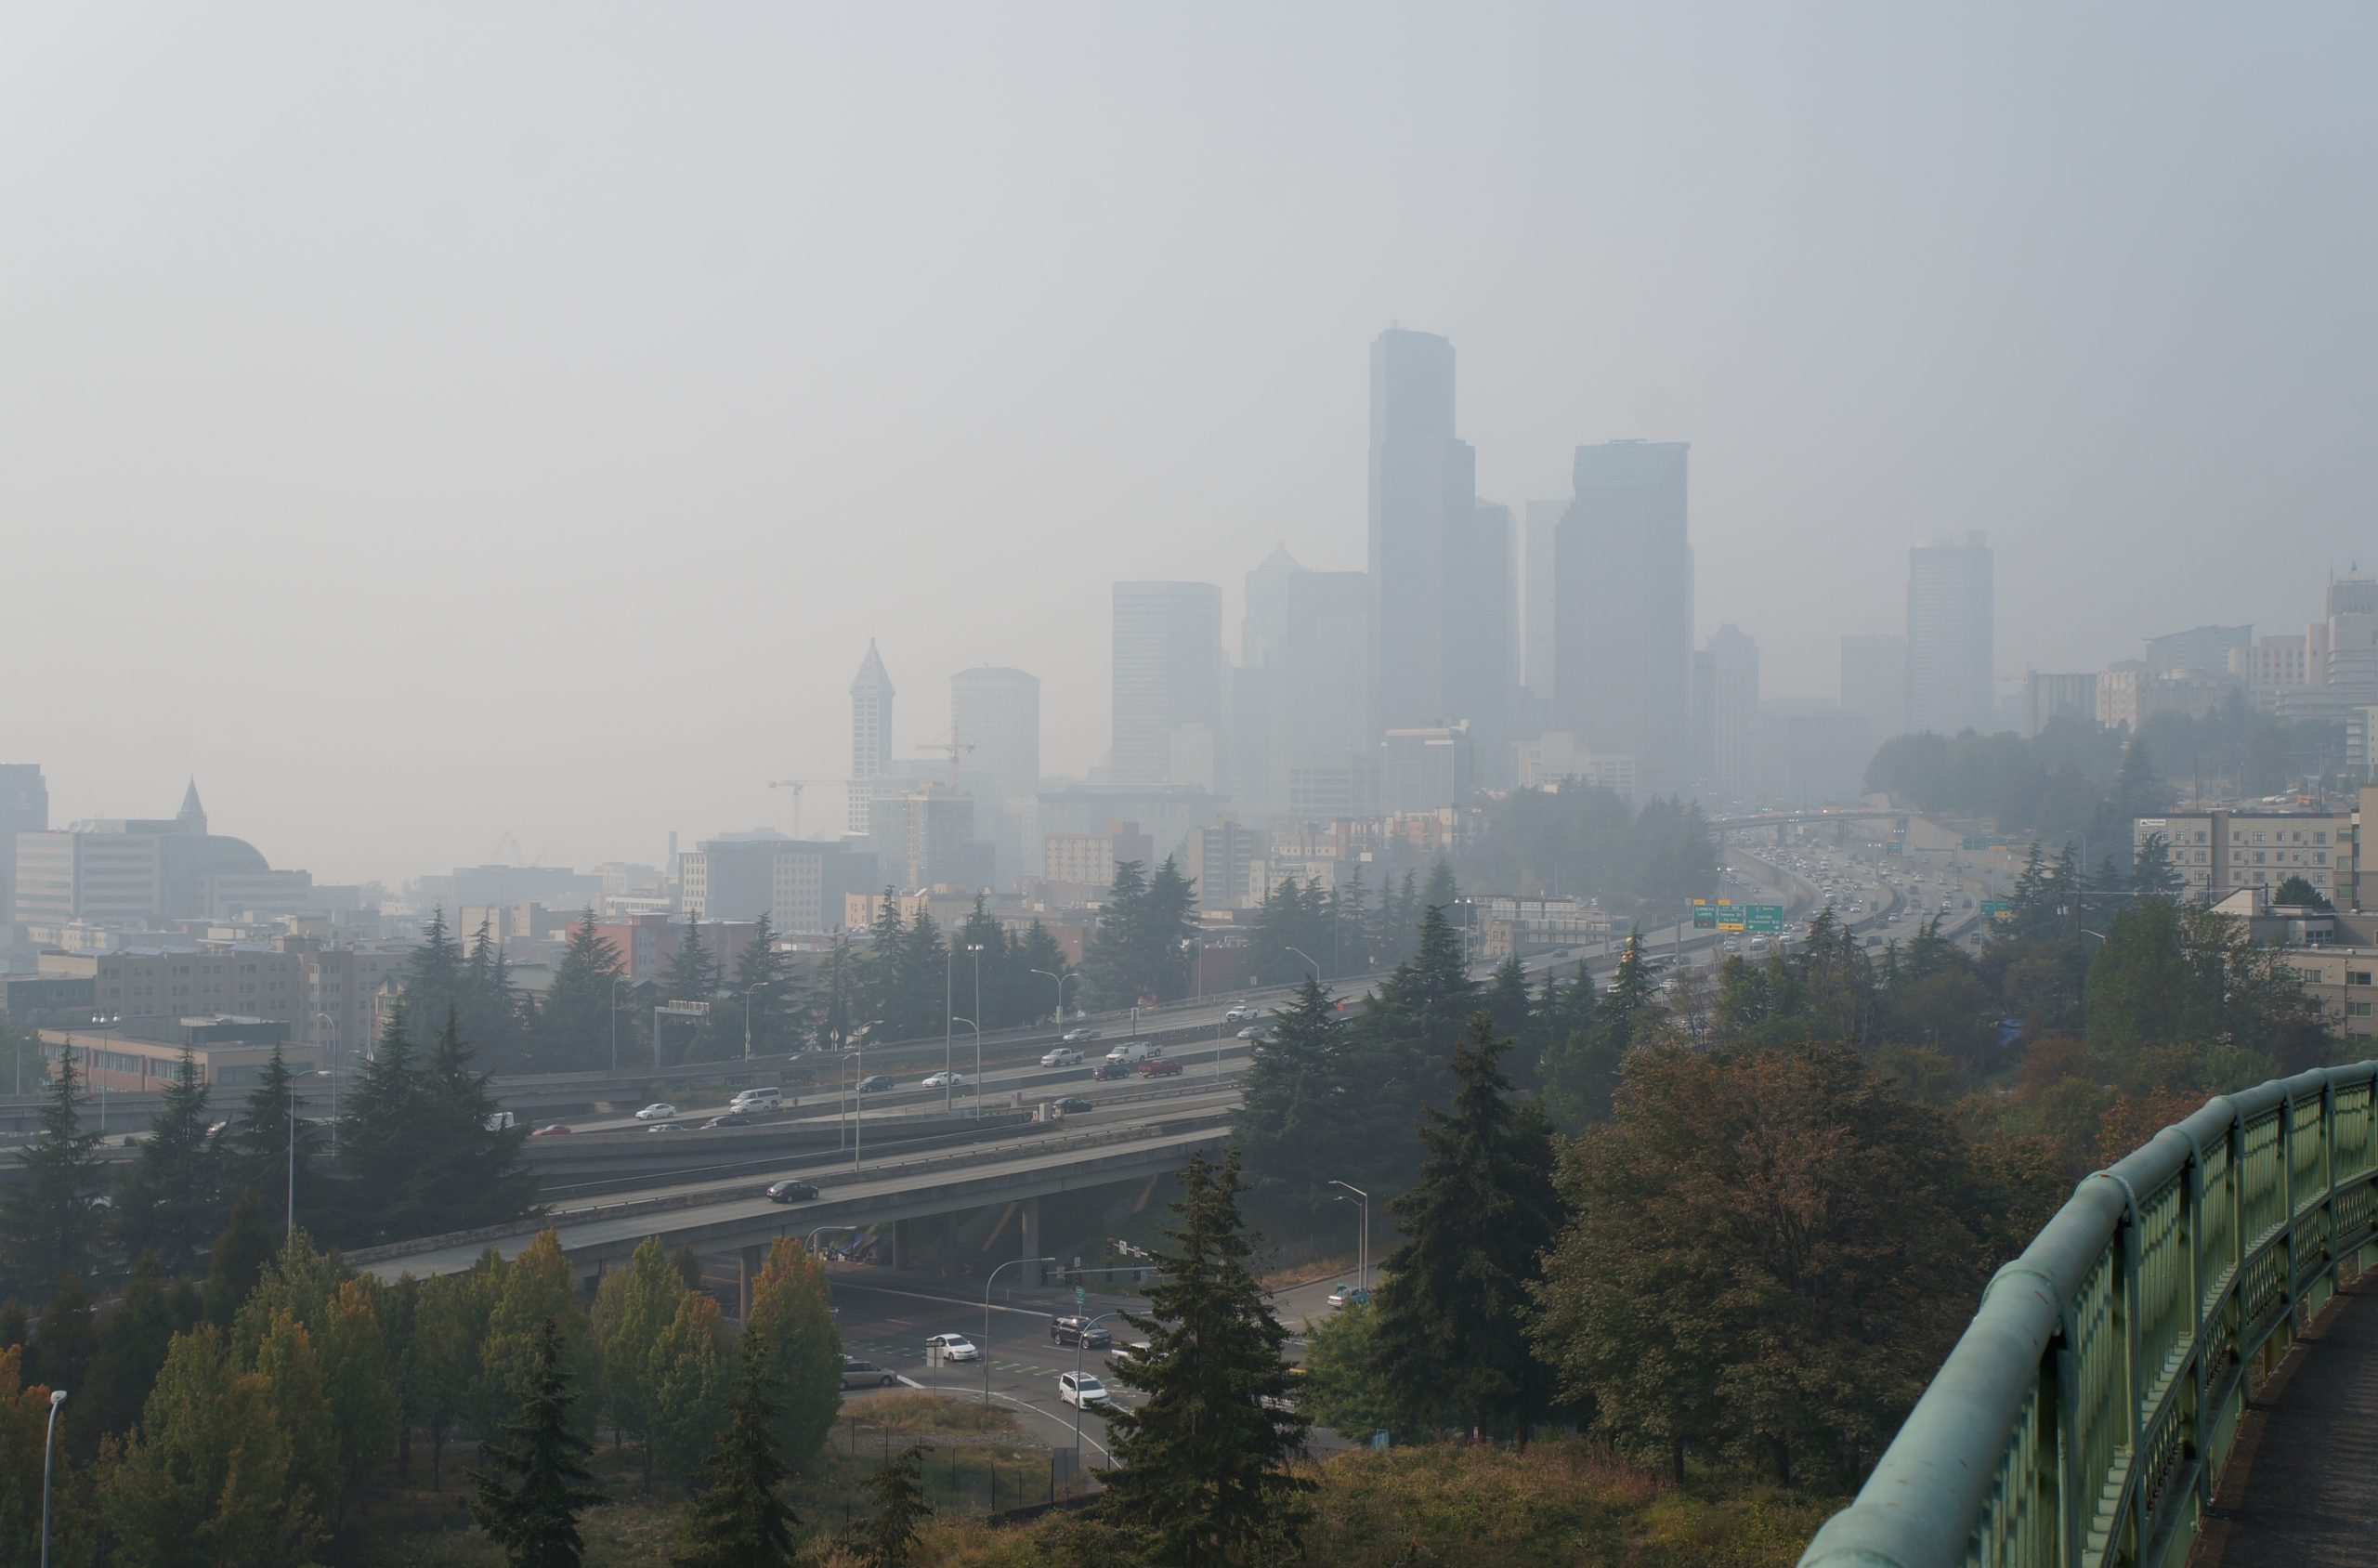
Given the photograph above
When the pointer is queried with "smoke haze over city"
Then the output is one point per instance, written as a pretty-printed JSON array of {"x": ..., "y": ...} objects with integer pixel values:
[{"x": 422, "y": 424}]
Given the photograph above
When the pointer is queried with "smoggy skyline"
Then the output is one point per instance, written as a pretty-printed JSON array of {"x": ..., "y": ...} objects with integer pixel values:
[{"x": 421, "y": 426}]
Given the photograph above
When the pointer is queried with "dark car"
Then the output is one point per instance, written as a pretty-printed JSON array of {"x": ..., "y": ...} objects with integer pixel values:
[
  {"x": 1156, "y": 1067},
  {"x": 1074, "y": 1105},
  {"x": 791, "y": 1190},
  {"x": 729, "y": 1119},
  {"x": 874, "y": 1083},
  {"x": 1070, "y": 1330},
  {"x": 1106, "y": 1072}
]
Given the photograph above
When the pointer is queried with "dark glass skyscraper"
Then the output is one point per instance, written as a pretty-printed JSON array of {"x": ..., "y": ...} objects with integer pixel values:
[{"x": 1623, "y": 609}]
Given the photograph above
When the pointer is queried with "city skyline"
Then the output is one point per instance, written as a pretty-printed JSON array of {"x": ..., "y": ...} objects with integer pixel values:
[{"x": 617, "y": 411}]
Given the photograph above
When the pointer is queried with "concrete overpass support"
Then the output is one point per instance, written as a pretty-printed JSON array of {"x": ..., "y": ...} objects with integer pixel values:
[
  {"x": 753, "y": 1259},
  {"x": 897, "y": 1239},
  {"x": 1028, "y": 1213}
]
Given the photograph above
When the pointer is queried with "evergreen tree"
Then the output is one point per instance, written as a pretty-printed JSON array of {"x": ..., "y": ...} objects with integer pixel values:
[
  {"x": 877, "y": 973},
  {"x": 133, "y": 1341},
  {"x": 474, "y": 1173},
  {"x": 576, "y": 1027},
  {"x": 692, "y": 976},
  {"x": 272, "y": 1146},
  {"x": 2152, "y": 873},
  {"x": 380, "y": 1151},
  {"x": 238, "y": 1259},
  {"x": 64, "y": 1339},
  {"x": 887, "y": 1538},
  {"x": 533, "y": 1487},
  {"x": 1506, "y": 1001},
  {"x": 765, "y": 1003},
  {"x": 1442, "y": 891},
  {"x": 1200, "y": 1473},
  {"x": 49, "y": 1215},
  {"x": 1580, "y": 1078},
  {"x": 1169, "y": 921},
  {"x": 1453, "y": 1299},
  {"x": 434, "y": 971},
  {"x": 1296, "y": 1130},
  {"x": 170, "y": 1198},
  {"x": 739, "y": 1517}
]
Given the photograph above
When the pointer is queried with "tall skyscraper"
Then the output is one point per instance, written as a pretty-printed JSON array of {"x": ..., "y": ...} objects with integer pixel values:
[
  {"x": 1874, "y": 684},
  {"x": 1169, "y": 684},
  {"x": 870, "y": 737},
  {"x": 1535, "y": 599},
  {"x": 1482, "y": 654},
  {"x": 1302, "y": 695},
  {"x": 1422, "y": 489},
  {"x": 1950, "y": 636},
  {"x": 1725, "y": 715},
  {"x": 1623, "y": 608},
  {"x": 24, "y": 808},
  {"x": 997, "y": 711}
]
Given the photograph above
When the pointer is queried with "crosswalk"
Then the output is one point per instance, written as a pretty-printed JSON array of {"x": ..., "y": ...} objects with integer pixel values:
[{"x": 886, "y": 1353}]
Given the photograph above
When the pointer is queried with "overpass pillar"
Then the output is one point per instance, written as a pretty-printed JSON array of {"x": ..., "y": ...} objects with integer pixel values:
[
  {"x": 897, "y": 1242},
  {"x": 752, "y": 1259},
  {"x": 1027, "y": 1215}
]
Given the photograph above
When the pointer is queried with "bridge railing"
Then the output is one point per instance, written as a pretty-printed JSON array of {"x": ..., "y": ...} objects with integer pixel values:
[{"x": 2087, "y": 1413}]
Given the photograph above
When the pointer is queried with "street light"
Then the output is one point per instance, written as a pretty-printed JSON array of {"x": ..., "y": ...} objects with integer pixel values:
[
  {"x": 853, "y": 1101},
  {"x": 332, "y": 1052},
  {"x": 1308, "y": 958},
  {"x": 617, "y": 981},
  {"x": 1361, "y": 1257},
  {"x": 1061, "y": 980},
  {"x": 976, "y": 948},
  {"x": 747, "y": 1015},
  {"x": 57, "y": 1398},
  {"x": 1012, "y": 1263},
  {"x": 977, "y": 1027}
]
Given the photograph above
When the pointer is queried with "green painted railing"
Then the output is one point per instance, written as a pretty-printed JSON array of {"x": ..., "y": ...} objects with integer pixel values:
[{"x": 2085, "y": 1416}]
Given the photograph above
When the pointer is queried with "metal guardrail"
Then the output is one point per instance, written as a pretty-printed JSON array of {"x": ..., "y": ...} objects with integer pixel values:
[{"x": 2085, "y": 1415}]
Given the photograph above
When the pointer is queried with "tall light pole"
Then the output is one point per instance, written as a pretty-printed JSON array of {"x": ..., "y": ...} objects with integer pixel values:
[
  {"x": 1363, "y": 1257},
  {"x": 617, "y": 981},
  {"x": 57, "y": 1398},
  {"x": 977, "y": 1027},
  {"x": 1308, "y": 958},
  {"x": 1012, "y": 1263},
  {"x": 332, "y": 1051},
  {"x": 976, "y": 948},
  {"x": 1061, "y": 980},
  {"x": 949, "y": 1005},
  {"x": 747, "y": 1016}
]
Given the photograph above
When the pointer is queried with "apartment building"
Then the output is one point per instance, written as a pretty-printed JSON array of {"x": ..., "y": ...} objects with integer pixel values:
[{"x": 2217, "y": 853}]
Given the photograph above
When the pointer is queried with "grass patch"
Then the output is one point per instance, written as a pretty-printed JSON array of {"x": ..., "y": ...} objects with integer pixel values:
[{"x": 922, "y": 1412}]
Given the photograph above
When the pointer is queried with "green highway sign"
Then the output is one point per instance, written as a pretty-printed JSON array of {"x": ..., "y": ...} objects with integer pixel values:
[
  {"x": 1765, "y": 917},
  {"x": 1973, "y": 843},
  {"x": 1995, "y": 909},
  {"x": 1704, "y": 916},
  {"x": 1080, "y": 1295}
]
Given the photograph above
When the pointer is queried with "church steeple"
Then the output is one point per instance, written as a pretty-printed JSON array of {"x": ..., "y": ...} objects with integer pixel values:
[{"x": 192, "y": 819}]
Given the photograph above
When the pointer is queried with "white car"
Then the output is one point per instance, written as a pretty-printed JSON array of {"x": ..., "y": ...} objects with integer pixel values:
[
  {"x": 1081, "y": 1388},
  {"x": 659, "y": 1110},
  {"x": 1241, "y": 1015},
  {"x": 1252, "y": 1031},
  {"x": 938, "y": 1080},
  {"x": 1063, "y": 1056},
  {"x": 954, "y": 1347}
]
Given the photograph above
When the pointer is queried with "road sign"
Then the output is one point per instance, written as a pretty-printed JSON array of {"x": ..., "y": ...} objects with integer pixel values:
[
  {"x": 1767, "y": 917},
  {"x": 1704, "y": 917},
  {"x": 1996, "y": 910},
  {"x": 1973, "y": 843},
  {"x": 1080, "y": 1295}
]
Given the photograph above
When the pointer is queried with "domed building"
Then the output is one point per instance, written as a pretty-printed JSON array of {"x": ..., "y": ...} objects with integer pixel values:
[{"x": 132, "y": 869}]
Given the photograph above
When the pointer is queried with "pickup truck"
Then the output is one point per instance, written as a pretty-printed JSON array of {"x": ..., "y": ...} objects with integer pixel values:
[{"x": 1063, "y": 1056}]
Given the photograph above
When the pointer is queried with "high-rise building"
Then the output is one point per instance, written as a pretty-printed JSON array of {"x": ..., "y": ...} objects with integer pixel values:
[
  {"x": 1535, "y": 599},
  {"x": 1623, "y": 608},
  {"x": 1302, "y": 695},
  {"x": 997, "y": 711},
  {"x": 1169, "y": 681},
  {"x": 1873, "y": 683},
  {"x": 2205, "y": 650},
  {"x": 130, "y": 872},
  {"x": 870, "y": 737},
  {"x": 24, "y": 808},
  {"x": 1482, "y": 655},
  {"x": 1725, "y": 713},
  {"x": 1422, "y": 482},
  {"x": 1950, "y": 636},
  {"x": 2051, "y": 695}
]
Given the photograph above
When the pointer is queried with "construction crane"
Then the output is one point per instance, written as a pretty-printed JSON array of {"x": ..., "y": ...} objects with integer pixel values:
[
  {"x": 955, "y": 747},
  {"x": 796, "y": 786}
]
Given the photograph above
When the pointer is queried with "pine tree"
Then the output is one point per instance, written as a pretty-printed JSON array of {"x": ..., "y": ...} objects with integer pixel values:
[
  {"x": 1442, "y": 891},
  {"x": 170, "y": 1199},
  {"x": 65, "y": 1341},
  {"x": 533, "y": 1487},
  {"x": 766, "y": 1004},
  {"x": 238, "y": 1259},
  {"x": 1580, "y": 1079},
  {"x": 1452, "y": 1298},
  {"x": 1296, "y": 1128},
  {"x": 1200, "y": 1473},
  {"x": 576, "y": 1025},
  {"x": 473, "y": 1175},
  {"x": 738, "y": 1518},
  {"x": 2152, "y": 873},
  {"x": 268, "y": 1139},
  {"x": 692, "y": 976},
  {"x": 380, "y": 1152},
  {"x": 49, "y": 1215},
  {"x": 887, "y": 1538},
  {"x": 434, "y": 971}
]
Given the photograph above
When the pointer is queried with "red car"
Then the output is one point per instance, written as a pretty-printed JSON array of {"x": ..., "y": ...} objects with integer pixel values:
[
  {"x": 1156, "y": 1067},
  {"x": 555, "y": 1131}
]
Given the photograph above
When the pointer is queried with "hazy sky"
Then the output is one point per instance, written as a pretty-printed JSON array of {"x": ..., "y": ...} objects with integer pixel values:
[{"x": 425, "y": 421}]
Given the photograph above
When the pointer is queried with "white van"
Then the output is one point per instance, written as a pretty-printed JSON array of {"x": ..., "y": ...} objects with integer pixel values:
[
  {"x": 756, "y": 1100},
  {"x": 502, "y": 1121},
  {"x": 1131, "y": 1052}
]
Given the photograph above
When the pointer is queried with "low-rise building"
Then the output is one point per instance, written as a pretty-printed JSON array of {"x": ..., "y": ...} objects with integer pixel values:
[
  {"x": 144, "y": 1054},
  {"x": 2217, "y": 852}
]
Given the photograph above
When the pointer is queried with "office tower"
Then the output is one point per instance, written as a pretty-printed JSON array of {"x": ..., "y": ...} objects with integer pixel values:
[
  {"x": 1481, "y": 655},
  {"x": 1726, "y": 714},
  {"x": 1950, "y": 643},
  {"x": 1302, "y": 694},
  {"x": 2205, "y": 650},
  {"x": 1623, "y": 608},
  {"x": 2341, "y": 649},
  {"x": 1535, "y": 599},
  {"x": 24, "y": 808},
  {"x": 1873, "y": 683},
  {"x": 997, "y": 711},
  {"x": 1167, "y": 702},
  {"x": 1422, "y": 485},
  {"x": 870, "y": 737}
]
